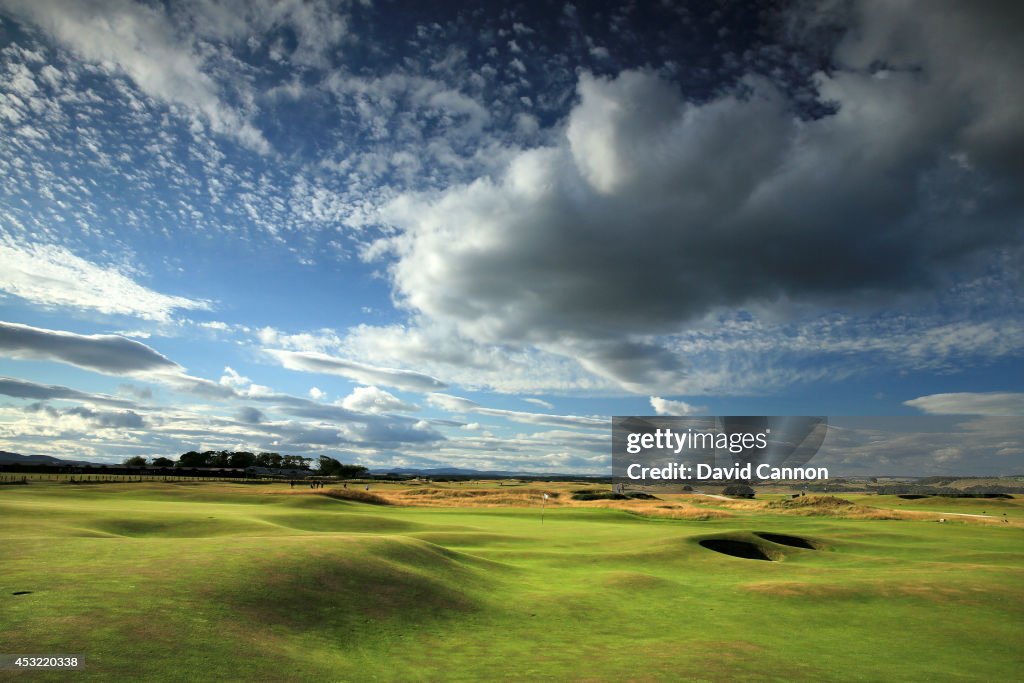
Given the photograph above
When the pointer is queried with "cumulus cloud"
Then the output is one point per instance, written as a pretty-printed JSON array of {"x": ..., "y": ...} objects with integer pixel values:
[
  {"x": 50, "y": 275},
  {"x": 651, "y": 211},
  {"x": 664, "y": 406},
  {"x": 969, "y": 403},
  {"x": 407, "y": 380},
  {"x": 374, "y": 400},
  {"x": 105, "y": 353}
]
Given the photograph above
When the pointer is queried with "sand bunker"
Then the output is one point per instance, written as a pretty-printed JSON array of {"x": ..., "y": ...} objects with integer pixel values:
[{"x": 743, "y": 549}]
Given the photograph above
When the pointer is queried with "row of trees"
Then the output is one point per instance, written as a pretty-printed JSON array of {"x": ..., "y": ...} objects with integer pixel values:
[{"x": 241, "y": 459}]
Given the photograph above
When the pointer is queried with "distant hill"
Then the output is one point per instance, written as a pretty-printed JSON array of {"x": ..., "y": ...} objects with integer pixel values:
[
  {"x": 7, "y": 458},
  {"x": 482, "y": 474}
]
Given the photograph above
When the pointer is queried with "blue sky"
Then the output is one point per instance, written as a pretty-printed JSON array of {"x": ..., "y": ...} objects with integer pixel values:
[{"x": 459, "y": 236}]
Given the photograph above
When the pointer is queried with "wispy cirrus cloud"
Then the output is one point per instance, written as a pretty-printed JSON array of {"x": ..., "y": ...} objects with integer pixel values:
[
  {"x": 305, "y": 361},
  {"x": 142, "y": 42},
  {"x": 457, "y": 404},
  {"x": 970, "y": 403},
  {"x": 50, "y": 275}
]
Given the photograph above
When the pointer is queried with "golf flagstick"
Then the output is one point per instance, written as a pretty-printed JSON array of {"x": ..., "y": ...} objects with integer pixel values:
[{"x": 543, "y": 503}]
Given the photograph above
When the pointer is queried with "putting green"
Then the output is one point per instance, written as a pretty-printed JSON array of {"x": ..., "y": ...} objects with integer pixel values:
[{"x": 173, "y": 582}]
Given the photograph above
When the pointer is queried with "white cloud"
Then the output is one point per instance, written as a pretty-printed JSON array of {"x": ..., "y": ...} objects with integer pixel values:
[
  {"x": 440, "y": 351},
  {"x": 457, "y": 404},
  {"x": 374, "y": 400},
  {"x": 320, "y": 341},
  {"x": 664, "y": 406},
  {"x": 106, "y": 353},
  {"x": 316, "y": 394},
  {"x": 50, "y": 275},
  {"x": 540, "y": 402},
  {"x": 969, "y": 403},
  {"x": 407, "y": 380},
  {"x": 454, "y": 404},
  {"x": 141, "y": 42},
  {"x": 231, "y": 378}
]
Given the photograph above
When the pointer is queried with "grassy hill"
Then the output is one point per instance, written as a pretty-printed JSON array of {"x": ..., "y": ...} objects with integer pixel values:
[{"x": 185, "y": 582}]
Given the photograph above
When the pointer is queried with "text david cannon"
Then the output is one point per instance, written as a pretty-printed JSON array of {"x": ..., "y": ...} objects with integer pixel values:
[{"x": 677, "y": 471}]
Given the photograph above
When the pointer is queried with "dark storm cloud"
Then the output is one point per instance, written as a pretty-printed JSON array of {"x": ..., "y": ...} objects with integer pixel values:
[
  {"x": 651, "y": 211},
  {"x": 105, "y": 353},
  {"x": 19, "y": 388}
]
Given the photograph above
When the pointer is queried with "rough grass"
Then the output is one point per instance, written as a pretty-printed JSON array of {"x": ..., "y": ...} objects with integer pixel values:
[{"x": 354, "y": 495}]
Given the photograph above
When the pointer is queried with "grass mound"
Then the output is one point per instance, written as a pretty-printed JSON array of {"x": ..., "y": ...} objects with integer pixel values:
[
  {"x": 817, "y": 502},
  {"x": 495, "y": 497},
  {"x": 177, "y": 526},
  {"x": 786, "y": 539},
  {"x": 354, "y": 495},
  {"x": 598, "y": 495},
  {"x": 358, "y": 584}
]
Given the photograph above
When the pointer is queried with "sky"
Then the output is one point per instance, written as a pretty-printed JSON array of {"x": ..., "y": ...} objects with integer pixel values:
[{"x": 419, "y": 235}]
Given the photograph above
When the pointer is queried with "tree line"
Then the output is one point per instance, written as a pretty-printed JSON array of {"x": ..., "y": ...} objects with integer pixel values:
[{"x": 327, "y": 466}]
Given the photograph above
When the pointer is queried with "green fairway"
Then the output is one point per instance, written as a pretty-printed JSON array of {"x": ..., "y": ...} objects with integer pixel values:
[{"x": 213, "y": 581}]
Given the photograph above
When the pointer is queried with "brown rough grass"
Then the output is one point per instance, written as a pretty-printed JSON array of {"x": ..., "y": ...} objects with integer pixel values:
[{"x": 668, "y": 506}]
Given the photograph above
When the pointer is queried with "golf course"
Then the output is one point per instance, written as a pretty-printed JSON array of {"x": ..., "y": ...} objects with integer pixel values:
[{"x": 474, "y": 581}]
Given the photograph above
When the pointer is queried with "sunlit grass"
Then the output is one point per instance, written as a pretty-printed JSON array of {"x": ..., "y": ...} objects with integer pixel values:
[{"x": 223, "y": 581}]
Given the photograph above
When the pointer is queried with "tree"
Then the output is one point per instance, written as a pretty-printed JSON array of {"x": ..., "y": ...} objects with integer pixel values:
[
  {"x": 739, "y": 491},
  {"x": 163, "y": 462},
  {"x": 135, "y": 461},
  {"x": 296, "y": 462},
  {"x": 332, "y": 468},
  {"x": 217, "y": 458},
  {"x": 242, "y": 459},
  {"x": 268, "y": 459},
  {"x": 192, "y": 459},
  {"x": 328, "y": 466}
]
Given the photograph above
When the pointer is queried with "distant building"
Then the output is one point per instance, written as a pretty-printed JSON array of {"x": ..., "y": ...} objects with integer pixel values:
[{"x": 286, "y": 473}]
